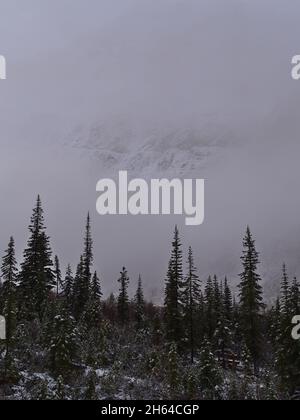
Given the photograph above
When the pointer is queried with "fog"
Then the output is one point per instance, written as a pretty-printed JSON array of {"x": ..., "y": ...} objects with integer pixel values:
[{"x": 150, "y": 62}]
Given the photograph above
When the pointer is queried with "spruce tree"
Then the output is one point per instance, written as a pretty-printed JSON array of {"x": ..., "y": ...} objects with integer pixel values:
[
  {"x": 9, "y": 290},
  {"x": 275, "y": 323},
  {"x": 284, "y": 363},
  {"x": 218, "y": 302},
  {"x": 173, "y": 372},
  {"x": 228, "y": 302},
  {"x": 223, "y": 338},
  {"x": 93, "y": 312},
  {"x": 79, "y": 292},
  {"x": 191, "y": 303},
  {"x": 288, "y": 349},
  {"x": 173, "y": 293},
  {"x": 123, "y": 299},
  {"x": 83, "y": 276},
  {"x": 87, "y": 259},
  {"x": 68, "y": 287},
  {"x": 210, "y": 314},
  {"x": 96, "y": 293},
  {"x": 285, "y": 291},
  {"x": 57, "y": 276},
  {"x": 251, "y": 300},
  {"x": 209, "y": 375},
  {"x": 224, "y": 334},
  {"x": 290, "y": 368},
  {"x": 36, "y": 275},
  {"x": 63, "y": 343},
  {"x": 139, "y": 305},
  {"x": 294, "y": 298}
]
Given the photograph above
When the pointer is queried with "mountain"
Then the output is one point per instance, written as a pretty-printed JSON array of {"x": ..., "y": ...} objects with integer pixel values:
[{"x": 176, "y": 151}]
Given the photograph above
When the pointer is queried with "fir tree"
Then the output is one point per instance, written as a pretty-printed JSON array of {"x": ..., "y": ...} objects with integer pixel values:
[
  {"x": 123, "y": 299},
  {"x": 68, "y": 287},
  {"x": 139, "y": 304},
  {"x": 294, "y": 298},
  {"x": 285, "y": 288},
  {"x": 224, "y": 337},
  {"x": 228, "y": 302},
  {"x": 191, "y": 302},
  {"x": 173, "y": 372},
  {"x": 247, "y": 361},
  {"x": 36, "y": 276},
  {"x": 217, "y": 299},
  {"x": 284, "y": 358},
  {"x": 275, "y": 322},
  {"x": 96, "y": 293},
  {"x": 57, "y": 276},
  {"x": 9, "y": 289},
  {"x": 173, "y": 292},
  {"x": 210, "y": 310},
  {"x": 210, "y": 377},
  {"x": 87, "y": 259},
  {"x": 83, "y": 276},
  {"x": 80, "y": 291},
  {"x": 288, "y": 360},
  {"x": 251, "y": 301},
  {"x": 63, "y": 343},
  {"x": 93, "y": 313}
]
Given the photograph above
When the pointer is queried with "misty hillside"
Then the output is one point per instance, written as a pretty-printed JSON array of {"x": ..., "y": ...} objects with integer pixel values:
[{"x": 168, "y": 151}]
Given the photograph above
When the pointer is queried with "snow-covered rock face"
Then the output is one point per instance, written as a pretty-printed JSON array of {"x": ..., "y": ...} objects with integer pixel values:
[{"x": 150, "y": 152}]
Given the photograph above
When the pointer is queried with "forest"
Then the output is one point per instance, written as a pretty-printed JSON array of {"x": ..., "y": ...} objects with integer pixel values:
[{"x": 209, "y": 341}]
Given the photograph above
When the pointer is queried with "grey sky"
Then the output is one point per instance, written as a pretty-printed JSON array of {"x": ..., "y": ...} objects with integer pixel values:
[{"x": 161, "y": 61}]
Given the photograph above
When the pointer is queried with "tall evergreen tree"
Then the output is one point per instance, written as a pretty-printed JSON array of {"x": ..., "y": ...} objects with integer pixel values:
[
  {"x": 79, "y": 291},
  {"x": 173, "y": 292},
  {"x": 285, "y": 290},
  {"x": 274, "y": 320},
  {"x": 217, "y": 297},
  {"x": 68, "y": 287},
  {"x": 139, "y": 304},
  {"x": 251, "y": 300},
  {"x": 36, "y": 275},
  {"x": 210, "y": 314},
  {"x": 96, "y": 293},
  {"x": 83, "y": 278},
  {"x": 9, "y": 277},
  {"x": 93, "y": 313},
  {"x": 294, "y": 298},
  {"x": 58, "y": 276},
  {"x": 191, "y": 303},
  {"x": 288, "y": 349},
  {"x": 88, "y": 255},
  {"x": 228, "y": 301},
  {"x": 223, "y": 338},
  {"x": 123, "y": 299}
]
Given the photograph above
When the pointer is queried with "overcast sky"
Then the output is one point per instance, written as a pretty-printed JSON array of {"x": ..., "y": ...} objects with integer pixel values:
[{"x": 74, "y": 61}]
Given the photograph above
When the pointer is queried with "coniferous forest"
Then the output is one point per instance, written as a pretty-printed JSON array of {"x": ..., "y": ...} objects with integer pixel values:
[{"x": 66, "y": 341}]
